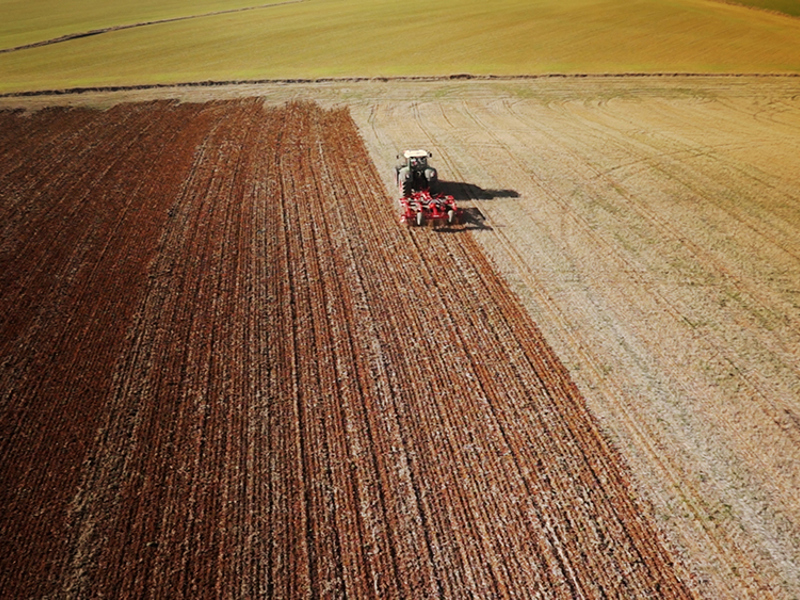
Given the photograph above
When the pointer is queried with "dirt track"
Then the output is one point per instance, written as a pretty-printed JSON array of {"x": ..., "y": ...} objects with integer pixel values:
[{"x": 228, "y": 372}]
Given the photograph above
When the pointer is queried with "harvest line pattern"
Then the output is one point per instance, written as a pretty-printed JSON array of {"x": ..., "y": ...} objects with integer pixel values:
[{"x": 294, "y": 396}]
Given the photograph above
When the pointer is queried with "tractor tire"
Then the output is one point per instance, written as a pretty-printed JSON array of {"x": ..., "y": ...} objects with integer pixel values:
[{"x": 405, "y": 189}]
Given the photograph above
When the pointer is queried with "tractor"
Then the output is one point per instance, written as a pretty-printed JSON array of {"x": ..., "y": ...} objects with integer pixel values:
[{"x": 419, "y": 204}]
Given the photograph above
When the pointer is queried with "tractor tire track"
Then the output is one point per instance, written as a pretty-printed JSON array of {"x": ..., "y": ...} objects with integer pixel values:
[
  {"x": 772, "y": 405},
  {"x": 453, "y": 168},
  {"x": 691, "y": 496},
  {"x": 493, "y": 362}
]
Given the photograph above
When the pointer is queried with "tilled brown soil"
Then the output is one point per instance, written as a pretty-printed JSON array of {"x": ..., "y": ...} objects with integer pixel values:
[{"x": 228, "y": 372}]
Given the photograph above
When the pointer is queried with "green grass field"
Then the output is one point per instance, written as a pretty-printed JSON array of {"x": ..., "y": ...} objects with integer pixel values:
[{"x": 319, "y": 38}]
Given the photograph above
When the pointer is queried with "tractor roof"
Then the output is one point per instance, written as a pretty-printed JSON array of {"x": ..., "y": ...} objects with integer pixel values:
[{"x": 415, "y": 153}]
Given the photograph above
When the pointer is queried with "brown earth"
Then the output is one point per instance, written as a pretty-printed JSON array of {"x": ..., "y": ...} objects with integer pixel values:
[{"x": 228, "y": 372}]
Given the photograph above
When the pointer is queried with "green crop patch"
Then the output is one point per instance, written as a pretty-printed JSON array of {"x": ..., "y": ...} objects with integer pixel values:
[{"x": 369, "y": 38}]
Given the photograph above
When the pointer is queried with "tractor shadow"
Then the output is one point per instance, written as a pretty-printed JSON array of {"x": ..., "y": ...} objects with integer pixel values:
[
  {"x": 460, "y": 190},
  {"x": 472, "y": 217}
]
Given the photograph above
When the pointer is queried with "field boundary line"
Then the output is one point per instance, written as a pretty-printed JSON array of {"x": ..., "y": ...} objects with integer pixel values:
[{"x": 380, "y": 79}]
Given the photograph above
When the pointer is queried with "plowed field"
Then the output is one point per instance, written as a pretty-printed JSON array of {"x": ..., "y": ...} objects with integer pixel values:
[{"x": 228, "y": 372}]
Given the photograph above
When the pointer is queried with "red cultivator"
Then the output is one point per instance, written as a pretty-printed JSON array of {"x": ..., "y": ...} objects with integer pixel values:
[{"x": 422, "y": 207}]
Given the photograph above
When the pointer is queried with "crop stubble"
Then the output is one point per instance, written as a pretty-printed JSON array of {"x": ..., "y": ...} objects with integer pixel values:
[
  {"x": 227, "y": 371},
  {"x": 652, "y": 233}
]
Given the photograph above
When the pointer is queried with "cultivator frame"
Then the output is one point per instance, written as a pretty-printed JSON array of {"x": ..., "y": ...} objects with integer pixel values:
[{"x": 420, "y": 208}]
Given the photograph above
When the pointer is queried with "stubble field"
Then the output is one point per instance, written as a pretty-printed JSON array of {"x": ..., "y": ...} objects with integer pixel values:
[
  {"x": 228, "y": 372},
  {"x": 652, "y": 228}
]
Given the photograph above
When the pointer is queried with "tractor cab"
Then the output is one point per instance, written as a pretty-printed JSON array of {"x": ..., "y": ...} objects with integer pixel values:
[
  {"x": 414, "y": 173},
  {"x": 416, "y": 159}
]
